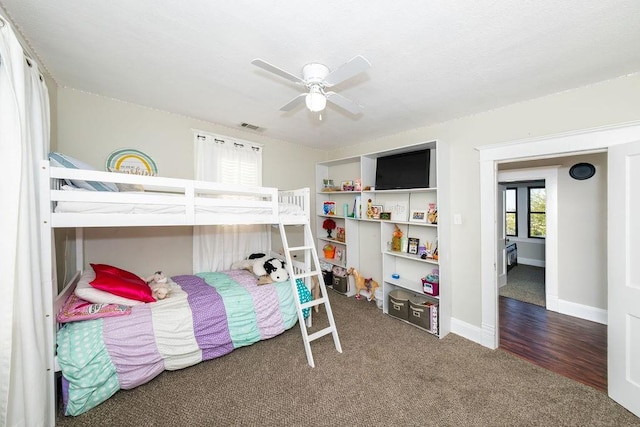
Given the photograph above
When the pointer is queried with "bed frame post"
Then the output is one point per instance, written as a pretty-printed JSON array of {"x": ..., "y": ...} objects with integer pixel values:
[{"x": 49, "y": 287}]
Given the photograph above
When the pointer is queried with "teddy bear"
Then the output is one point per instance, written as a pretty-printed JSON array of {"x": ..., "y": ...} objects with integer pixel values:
[{"x": 159, "y": 284}]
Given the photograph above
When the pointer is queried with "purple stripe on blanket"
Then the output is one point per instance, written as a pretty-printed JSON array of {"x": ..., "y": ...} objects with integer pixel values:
[
  {"x": 132, "y": 348},
  {"x": 265, "y": 301},
  {"x": 209, "y": 317}
]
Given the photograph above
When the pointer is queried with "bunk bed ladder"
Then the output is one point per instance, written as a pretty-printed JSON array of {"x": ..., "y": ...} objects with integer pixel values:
[{"x": 312, "y": 270}]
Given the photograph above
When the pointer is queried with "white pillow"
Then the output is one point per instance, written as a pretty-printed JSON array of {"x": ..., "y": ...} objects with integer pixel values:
[
  {"x": 64, "y": 161},
  {"x": 87, "y": 292}
]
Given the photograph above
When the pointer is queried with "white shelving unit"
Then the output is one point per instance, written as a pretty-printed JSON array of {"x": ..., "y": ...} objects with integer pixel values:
[{"x": 367, "y": 241}]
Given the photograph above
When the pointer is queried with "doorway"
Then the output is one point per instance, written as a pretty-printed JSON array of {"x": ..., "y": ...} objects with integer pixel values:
[
  {"x": 552, "y": 336},
  {"x": 623, "y": 141}
]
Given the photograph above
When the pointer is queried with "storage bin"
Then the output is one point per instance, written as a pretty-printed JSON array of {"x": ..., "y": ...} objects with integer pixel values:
[
  {"x": 328, "y": 278},
  {"x": 399, "y": 304},
  {"x": 420, "y": 312},
  {"x": 340, "y": 284},
  {"x": 430, "y": 288}
]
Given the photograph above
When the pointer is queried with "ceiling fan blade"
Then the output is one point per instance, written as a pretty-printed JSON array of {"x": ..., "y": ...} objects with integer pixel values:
[
  {"x": 294, "y": 102},
  {"x": 344, "y": 103},
  {"x": 275, "y": 70},
  {"x": 347, "y": 70}
]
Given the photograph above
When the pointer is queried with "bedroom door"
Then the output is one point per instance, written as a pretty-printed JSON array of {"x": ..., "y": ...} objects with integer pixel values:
[
  {"x": 501, "y": 239},
  {"x": 624, "y": 275}
]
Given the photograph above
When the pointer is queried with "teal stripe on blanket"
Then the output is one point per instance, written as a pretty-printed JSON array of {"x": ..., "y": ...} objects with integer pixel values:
[
  {"x": 287, "y": 303},
  {"x": 86, "y": 364},
  {"x": 238, "y": 302}
]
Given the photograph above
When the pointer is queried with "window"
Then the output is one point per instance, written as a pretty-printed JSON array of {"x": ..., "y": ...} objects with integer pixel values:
[
  {"x": 537, "y": 212},
  {"x": 511, "y": 212}
]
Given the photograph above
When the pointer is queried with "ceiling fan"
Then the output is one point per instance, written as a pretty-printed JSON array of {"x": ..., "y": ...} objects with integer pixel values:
[{"x": 316, "y": 78}]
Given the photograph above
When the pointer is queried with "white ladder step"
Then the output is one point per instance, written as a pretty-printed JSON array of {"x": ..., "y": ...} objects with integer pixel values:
[
  {"x": 300, "y": 248},
  {"x": 322, "y": 332},
  {"x": 313, "y": 303},
  {"x": 307, "y": 274}
]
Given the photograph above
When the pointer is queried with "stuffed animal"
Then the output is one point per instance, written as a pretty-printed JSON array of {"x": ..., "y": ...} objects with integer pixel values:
[
  {"x": 363, "y": 284},
  {"x": 268, "y": 270},
  {"x": 159, "y": 284},
  {"x": 247, "y": 264},
  {"x": 272, "y": 267}
]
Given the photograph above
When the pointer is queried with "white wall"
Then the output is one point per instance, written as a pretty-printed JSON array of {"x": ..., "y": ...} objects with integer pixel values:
[
  {"x": 610, "y": 102},
  {"x": 90, "y": 127}
]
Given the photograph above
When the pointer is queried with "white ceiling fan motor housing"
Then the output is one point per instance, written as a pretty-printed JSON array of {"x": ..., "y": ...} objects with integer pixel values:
[{"x": 314, "y": 73}]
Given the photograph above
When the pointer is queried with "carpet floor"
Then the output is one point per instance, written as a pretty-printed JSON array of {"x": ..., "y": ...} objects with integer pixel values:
[
  {"x": 525, "y": 283},
  {"x": 390, "y": 373}
]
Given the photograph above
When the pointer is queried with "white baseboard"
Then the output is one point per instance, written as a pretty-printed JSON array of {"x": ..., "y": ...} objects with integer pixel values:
[
  {"x": 581, "y": 311},
  {"x": 531, "y": 261},
  {"x": 467, "y": 330}
]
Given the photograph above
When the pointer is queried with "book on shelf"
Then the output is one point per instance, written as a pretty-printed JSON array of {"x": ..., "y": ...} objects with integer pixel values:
[{"x": 329, "y": 207}]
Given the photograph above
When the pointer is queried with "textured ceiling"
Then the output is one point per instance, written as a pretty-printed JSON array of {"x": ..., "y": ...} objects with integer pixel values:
[{"x": 431, "y": 61}]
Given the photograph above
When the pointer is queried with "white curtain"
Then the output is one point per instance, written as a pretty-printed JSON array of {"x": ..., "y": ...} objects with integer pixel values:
[
  {"x": 220, "y": 159},
  {"x": 25, "y": 397}
]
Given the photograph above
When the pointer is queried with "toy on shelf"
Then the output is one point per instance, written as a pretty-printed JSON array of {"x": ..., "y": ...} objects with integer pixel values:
[
  {"x": 396, "y": 242},
  {"x": 432, "y": 214},
  {"x": 363, "y": 284},
  {"x": 369, "y": 209}
]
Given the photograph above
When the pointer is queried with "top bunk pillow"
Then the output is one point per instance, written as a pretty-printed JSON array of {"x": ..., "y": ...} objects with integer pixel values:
[{"x": 64, "y": 161}]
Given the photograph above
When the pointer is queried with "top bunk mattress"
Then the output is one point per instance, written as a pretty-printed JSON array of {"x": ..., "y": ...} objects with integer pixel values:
[{"x": 288, "y": 209}]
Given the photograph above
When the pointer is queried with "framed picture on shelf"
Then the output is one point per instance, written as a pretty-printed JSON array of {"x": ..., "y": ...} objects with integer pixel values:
[
  {"x": 385, "y": 215},
  {"x": 347, "y": 186},
  {"x": 338, "y": 255},
  {"x": 377, "y": 210},
  {"x": 414, "y": 243},
  {"x": 418, "y": 216}
]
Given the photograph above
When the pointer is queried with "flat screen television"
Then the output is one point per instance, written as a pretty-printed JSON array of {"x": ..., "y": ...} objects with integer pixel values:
[{"x": 402, "y": 171}]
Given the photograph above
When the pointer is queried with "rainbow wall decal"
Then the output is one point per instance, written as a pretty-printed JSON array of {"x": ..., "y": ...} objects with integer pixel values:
[{"x": 129, "y": 160}]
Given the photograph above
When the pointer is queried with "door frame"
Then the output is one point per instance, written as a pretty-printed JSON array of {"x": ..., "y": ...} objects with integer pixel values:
[{"x": 559, "y": 145}]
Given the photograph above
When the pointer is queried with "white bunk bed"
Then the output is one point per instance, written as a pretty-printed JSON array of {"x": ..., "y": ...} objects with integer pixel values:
[{"x": 170, "y": 202}]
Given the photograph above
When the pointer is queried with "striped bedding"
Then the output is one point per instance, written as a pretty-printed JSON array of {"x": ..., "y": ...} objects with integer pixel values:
[{"x": 207, "y": 316}]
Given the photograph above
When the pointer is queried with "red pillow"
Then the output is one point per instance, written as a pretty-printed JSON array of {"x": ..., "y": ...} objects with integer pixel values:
[
  {"x": 132, "y": 288},
  {"x": 115, "y": 271}
]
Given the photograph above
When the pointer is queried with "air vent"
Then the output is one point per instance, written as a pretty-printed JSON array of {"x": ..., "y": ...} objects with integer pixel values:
[{"x": 250, "y": 126}]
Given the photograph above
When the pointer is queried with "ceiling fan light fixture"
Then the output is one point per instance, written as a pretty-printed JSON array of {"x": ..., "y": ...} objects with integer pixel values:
[{"x": 315, "y": 99}]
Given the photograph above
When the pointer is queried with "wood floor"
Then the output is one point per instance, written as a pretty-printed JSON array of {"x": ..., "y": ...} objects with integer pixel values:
[{"x": 572, "y": 347}]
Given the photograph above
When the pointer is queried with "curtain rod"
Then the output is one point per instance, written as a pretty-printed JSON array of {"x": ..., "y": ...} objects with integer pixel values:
[
  {"x": 200, "y": 134},
  {"x": 25, "y": 49}
]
